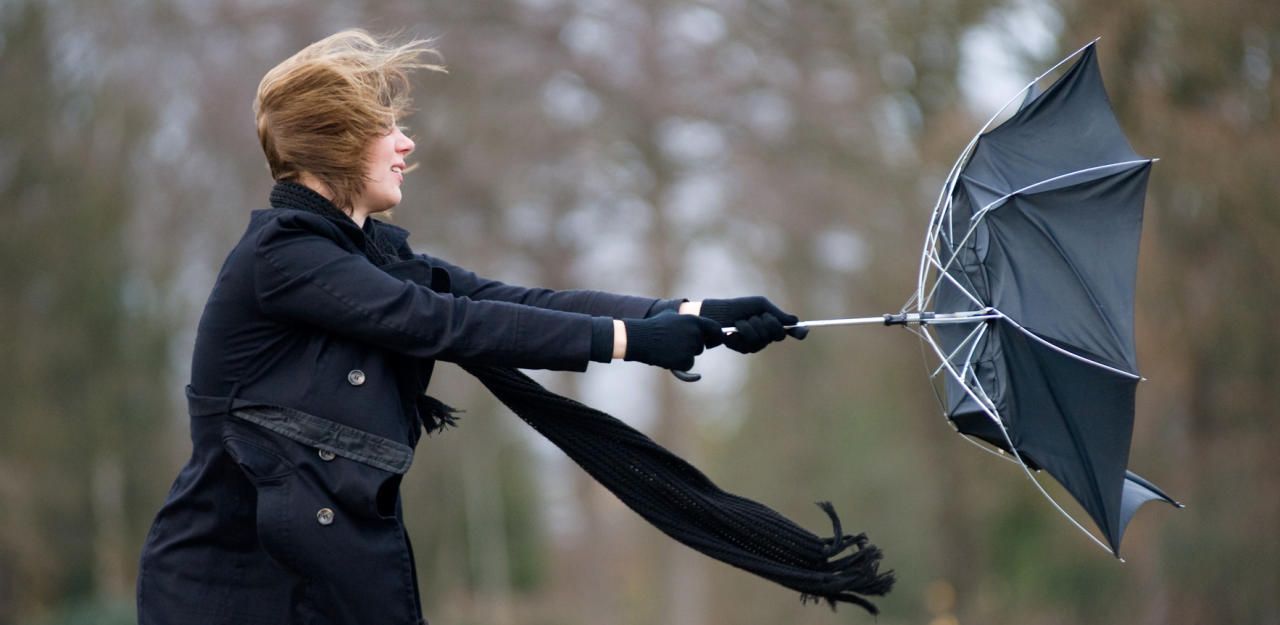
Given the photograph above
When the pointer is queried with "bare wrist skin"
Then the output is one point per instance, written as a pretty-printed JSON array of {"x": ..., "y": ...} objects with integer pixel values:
[
  {"x": 691, "y": 308},
  {"x": 619, "y": 339}
]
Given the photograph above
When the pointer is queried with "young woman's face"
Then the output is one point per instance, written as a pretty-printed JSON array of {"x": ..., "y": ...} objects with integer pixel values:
[{"x": 384, "y": 171}]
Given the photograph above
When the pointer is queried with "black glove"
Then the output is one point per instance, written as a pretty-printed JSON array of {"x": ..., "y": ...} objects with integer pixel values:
[
  {"x": 670, "y": 340},
  {"x": 757, "y": 320}
]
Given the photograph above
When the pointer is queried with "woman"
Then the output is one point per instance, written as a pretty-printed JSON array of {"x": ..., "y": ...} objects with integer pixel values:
[{"x": 316, "y": 346}]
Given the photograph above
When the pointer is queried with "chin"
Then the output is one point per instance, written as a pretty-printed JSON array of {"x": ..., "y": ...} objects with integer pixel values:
[{"x": 389, "y": 202}]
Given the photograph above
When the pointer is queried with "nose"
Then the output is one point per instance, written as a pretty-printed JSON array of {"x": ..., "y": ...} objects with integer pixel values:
[{"x": 404, "y": 145}]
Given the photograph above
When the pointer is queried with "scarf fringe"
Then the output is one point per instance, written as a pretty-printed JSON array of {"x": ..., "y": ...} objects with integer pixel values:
[{"x": 437, "y": 415}]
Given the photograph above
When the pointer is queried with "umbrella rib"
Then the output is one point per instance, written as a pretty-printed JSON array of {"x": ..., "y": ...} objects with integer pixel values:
[
  {"x": 930, "y": 243},
  {"x": 999, "y": 202},
  {"x": 940, "y": 207},
  {"x": 968, "y": 361},
  {"x": 1064, "y": 352},
  {"x": 1093, "y": 299},
  {"x": 988, "y": 407},
  {"x": 941, "y": 404},
  {"x": 934, "y": 259},
  {"x": 990, "y": 206},
  {"x": 960, "y": 346},
  {"x": 944, "y": 270},
  {"x": 941, "y": 211},
  {"x": 942, "y": 275},
  {"x": 946, "y": 275},
  {"x": 994, "y": 451},
  {"x": 989, "y": 448},
  {"x": 1082, "y": 450},
  {"x": 948, "y": 187},
  {"x": 1029, "y": 85}
]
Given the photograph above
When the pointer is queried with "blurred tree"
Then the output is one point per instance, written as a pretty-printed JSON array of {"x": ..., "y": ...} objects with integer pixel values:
[
  {"x": 1196, "y": 83},
  {"x": 86, "y": 343}
]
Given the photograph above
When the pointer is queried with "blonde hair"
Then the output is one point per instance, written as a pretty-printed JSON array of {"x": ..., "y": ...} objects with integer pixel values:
[{"x": 319, "y": 110}]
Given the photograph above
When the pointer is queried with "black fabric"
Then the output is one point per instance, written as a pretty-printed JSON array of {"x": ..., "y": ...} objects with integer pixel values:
[
  {"x": 755, "y": 333},
  {"x": 379, "y": 238},
  {"x": 663, "y": 305},
  {"x": 673, "y": 495},
  {"x": 670, "y": 340},
  {"x": 1138, "y": 491},
  {"x": 326, "y": 435},
  {"x": 1055, "y": 197},
  {"x": 601, "y": 339},
  {"x": 678, "y": 499},
  {"x": 1074, "y": 420},
  {"x": 238, "y": 540},
  {"x": 727, "y": 311}
]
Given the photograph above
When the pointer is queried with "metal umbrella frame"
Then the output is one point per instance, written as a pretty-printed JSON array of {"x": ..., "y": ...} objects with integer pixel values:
[{"x": 945, "y": 240}]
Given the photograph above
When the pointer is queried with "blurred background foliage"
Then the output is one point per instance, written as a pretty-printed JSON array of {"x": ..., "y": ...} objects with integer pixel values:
[{"x": 665, "y": 147}]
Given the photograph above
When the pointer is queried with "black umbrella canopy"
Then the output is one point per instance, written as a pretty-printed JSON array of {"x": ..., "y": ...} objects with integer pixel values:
[{"x": 1042, "y": 225}]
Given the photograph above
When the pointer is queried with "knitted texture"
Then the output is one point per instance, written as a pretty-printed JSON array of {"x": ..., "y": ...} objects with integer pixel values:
[
  {"x": 678, "y": 499},
  {"x": 645, "y": 340},
  {"x": 295, "y": 195},
  {"x": 719, "y": 310}
]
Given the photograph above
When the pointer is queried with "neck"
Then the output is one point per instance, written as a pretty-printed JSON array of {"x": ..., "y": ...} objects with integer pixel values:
[{"x": 357, "y": 213}]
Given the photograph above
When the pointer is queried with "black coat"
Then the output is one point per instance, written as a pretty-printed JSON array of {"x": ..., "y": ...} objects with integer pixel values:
[{"x": 309, "y": 369}]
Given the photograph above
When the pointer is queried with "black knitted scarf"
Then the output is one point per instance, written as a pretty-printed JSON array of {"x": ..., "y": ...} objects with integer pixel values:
[{"x": 668, "y": 492}]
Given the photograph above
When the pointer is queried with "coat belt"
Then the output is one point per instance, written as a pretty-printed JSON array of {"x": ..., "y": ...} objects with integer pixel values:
[{"x": 308, "y": 429}]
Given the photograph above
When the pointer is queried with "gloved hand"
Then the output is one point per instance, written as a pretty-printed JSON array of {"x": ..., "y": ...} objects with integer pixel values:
[
  {"x": 757, "y": 320},
  {"x": 670, "y": 340}
]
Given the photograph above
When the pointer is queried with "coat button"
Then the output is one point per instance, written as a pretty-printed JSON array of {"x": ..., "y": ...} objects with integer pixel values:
[
  {"x": 355, "y": 377},
  {"x": 324, "y": 516},
  {"x": 327, "y": 455}
]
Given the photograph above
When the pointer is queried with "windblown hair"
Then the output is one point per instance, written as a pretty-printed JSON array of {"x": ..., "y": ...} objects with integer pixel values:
[{"x": 319, "y": 110}]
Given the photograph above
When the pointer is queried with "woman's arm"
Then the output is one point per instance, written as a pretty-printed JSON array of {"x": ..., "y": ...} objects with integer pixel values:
[
  {"x": 466, "y": 283},
  {"x": 303, "y": 276}
]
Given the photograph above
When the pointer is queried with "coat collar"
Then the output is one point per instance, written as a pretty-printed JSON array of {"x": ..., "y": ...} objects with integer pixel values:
[{"x": 377, "y": 238}]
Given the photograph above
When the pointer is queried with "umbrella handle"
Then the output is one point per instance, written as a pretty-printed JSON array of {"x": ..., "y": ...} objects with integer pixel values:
[{"x": 686, "y": 376}]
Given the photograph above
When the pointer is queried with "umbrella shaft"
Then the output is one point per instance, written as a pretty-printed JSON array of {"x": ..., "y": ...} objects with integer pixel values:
[
  {"x": 853, "y": 321},
  {"x": 913, "y": 319}
]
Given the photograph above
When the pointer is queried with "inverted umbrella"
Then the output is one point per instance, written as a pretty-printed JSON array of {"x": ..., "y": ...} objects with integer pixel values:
[
  {"x": 1032, "y": 251},
  {"x": 1049, "y": 206}
]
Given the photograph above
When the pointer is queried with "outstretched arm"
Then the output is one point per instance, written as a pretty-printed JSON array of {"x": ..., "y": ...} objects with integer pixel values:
[
  {"x": 300, "y": 275},
  {"x": 466, "y": 283}
]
